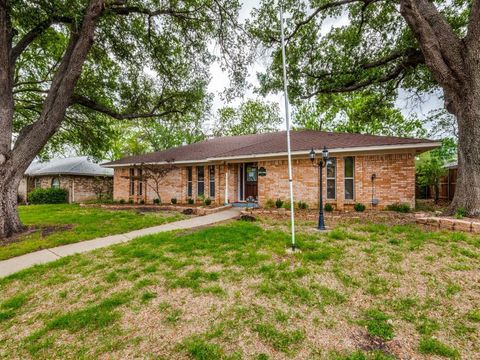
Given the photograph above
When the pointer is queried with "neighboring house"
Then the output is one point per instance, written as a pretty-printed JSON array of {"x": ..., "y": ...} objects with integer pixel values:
[
  {"x": 233, "y": 169},
  {"x": 83, "y": 179}
]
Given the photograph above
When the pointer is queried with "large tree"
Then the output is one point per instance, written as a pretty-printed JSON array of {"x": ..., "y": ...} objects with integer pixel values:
[
  {"x": 341, "y": 46},
  {"x": 364, "y": 112},
  {"x": 250, "y": 117},
  {"x": 63, "y": 62}
]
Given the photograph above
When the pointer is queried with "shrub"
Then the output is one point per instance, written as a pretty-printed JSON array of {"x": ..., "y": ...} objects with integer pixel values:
[
  {"x": 142, "y": 202},
  {"x": 122, "y": 201},
  {"x": 156, "y": 201},
  {"x": 399, "y": 207},
  {"x": 302, "y": 205},
  {"x": 130, "y": 201},
  {"x": 278, "y": 203},
  {"x": 286, "y": 205},
  {"x": 48, "y": 196},
  {"x": 461, "y": 213},
  {"x": 328, "y": 207},
  {"x": 269, "y": 204},
  {"x": 359, "y": 207},
  {"x": 173, "y": 201},
  {"x": 190, "y": 201},
  {"x": 201, "y": 198},
  {"x": 207, "y": 201}
]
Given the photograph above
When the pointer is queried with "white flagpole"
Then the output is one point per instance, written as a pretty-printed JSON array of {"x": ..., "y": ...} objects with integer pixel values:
[{"x": 287, "y": 118}]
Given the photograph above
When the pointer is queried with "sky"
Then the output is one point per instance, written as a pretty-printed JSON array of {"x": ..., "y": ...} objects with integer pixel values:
[{"x": 219, "y": 80}]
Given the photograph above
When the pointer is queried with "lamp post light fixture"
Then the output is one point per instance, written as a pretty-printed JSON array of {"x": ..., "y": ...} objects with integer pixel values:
[{"x": 321, "y": 164}]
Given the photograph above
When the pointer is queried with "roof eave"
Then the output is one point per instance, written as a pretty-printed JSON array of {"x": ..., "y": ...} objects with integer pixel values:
[{"x": 418, "y": 146}]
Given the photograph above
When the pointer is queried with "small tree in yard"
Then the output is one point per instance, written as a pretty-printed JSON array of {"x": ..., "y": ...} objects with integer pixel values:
[
  {"x": 429, "y": 173},
  {"x": 152, "y": 176}
]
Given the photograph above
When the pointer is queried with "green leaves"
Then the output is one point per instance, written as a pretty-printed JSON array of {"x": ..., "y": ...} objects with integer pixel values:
[
  {"x": 366, "y": 112},
  {"x": 251, "y": 117},
  {"x": 148, "y": 57}
]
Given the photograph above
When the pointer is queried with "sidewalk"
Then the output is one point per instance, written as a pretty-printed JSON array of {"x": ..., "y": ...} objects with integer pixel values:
[{"x": 18, "y": 263}]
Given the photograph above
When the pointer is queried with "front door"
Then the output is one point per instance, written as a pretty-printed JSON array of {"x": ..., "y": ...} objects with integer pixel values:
[{"x": 251, "y": 181}]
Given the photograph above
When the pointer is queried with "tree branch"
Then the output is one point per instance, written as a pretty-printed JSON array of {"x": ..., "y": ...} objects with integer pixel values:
[
  {"x": 34, "y": 33},
  {"x": 414, "y": 59},
  {"x": 324, "y": 7},
  {"x": 473, "y": 32},
  {"x": 92, "y": 105},
  {"x": 442, "y": 49},
  {"x": 127, "y": 10}
]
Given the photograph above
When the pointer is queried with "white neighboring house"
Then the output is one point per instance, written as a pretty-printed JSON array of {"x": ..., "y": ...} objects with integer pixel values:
[{"x": 83, "y": 179}]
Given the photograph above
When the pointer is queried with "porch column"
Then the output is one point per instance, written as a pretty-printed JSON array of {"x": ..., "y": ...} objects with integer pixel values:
[{"x": 226, "y": 184}]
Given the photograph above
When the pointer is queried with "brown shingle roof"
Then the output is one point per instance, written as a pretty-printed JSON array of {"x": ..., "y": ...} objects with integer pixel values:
[{"x": 270, "y": 143}]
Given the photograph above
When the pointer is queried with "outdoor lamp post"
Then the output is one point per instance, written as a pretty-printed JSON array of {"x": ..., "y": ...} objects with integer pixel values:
[{"x": 321, "y": 164}]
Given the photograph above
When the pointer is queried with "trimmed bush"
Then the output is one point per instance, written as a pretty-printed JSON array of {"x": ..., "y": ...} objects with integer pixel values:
[
  {"x": 278, "y": 203},
  {"x": 122, "y": 201},
  {"x": 190, "y": 201},
  {"x": 328, "y": 207},
  {"x": 156, "y": 201},
  {"x": 359, "y": 207},
  {"x": 286, "y": 205},
  {"x": 399, "y": 207},
  {"x": 142, "y": 202},
  {"x": 302, "y": 205},
  {"x": 130, "y": 201},
  {"x": 207, "y": 201},
  {"x": 48, "y": 196},
  {"x": 269, "y": 204},
  {"x": 173, "y": 201}
]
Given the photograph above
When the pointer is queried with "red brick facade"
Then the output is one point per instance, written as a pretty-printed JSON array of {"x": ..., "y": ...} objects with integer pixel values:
[{"x": 395, "y": 181}]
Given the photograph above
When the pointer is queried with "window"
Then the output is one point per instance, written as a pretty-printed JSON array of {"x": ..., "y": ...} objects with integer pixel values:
[
  {"x": 56, "y": 183},
  {"x": 200, "y": 180},
  {"x": 349, "y": 175},
  {"x": 189, "y": 181},
  {"x": 251, "y": 173},
  {"x": 211, "y": 178},
  {"x": 132, "y": 182},
  {"x": 331, "y": 178},
  {"x": 37, "y": 183},
  {"x": 140, "y": 182}
]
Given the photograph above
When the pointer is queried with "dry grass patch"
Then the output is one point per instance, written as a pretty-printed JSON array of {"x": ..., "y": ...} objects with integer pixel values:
[{"x": 366, "y": 290}]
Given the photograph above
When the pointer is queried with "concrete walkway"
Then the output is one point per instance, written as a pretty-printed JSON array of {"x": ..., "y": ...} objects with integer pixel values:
[{"x": 18, "y": 263}]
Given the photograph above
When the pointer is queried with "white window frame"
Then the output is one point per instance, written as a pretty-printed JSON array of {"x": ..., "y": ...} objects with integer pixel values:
[
  {"x": 334, "y": 178},
  {"x": 345, "y": 178},
  {"x": 211, "y": 180}
]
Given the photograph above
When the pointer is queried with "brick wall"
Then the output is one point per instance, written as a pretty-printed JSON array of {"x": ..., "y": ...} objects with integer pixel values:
[{"x": 395, "y": 181}]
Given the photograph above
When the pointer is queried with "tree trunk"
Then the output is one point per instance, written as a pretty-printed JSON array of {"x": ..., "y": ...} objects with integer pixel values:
[
  {"x": 9, "y": 220},
  {"x": 467, "y": 190},
  {"x": 436, "y": 195},
  {"x": 32, "y": 138}
]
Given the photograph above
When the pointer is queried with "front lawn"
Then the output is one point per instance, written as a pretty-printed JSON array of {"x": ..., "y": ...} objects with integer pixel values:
[
  {"x": 365, "y": 290},
  {"x": 64, "y": 224}
]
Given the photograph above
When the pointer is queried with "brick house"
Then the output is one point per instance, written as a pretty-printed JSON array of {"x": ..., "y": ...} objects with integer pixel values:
[
  {"x": 83, "y": 179},
  {"x": 235, "y": 168}
]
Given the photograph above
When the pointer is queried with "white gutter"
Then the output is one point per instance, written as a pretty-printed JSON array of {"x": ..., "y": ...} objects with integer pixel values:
[{"x": 430, "y": 145}]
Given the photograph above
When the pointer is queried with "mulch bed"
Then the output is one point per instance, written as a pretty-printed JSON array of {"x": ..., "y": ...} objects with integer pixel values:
[
  {"x": 29, "y": 230},
  {"x": 336, "y": 217}
]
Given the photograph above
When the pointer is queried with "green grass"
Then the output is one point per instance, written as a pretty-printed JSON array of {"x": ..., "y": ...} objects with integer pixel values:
[
  {"x": 86, "y": 223},
  {"x": 279, "y": 340},
  {"x": 233, "y": 292},
  {"x": 433, "y": 346}
]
